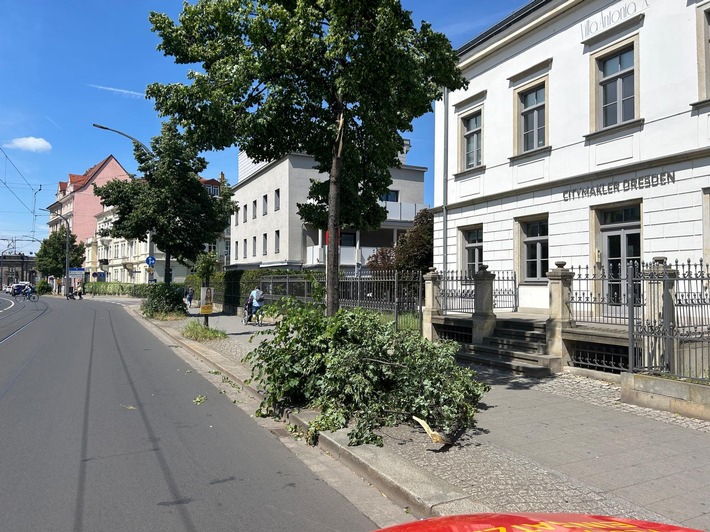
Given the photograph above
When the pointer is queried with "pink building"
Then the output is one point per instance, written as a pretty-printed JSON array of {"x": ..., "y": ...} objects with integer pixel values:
[{"x": 76, "y": 201}]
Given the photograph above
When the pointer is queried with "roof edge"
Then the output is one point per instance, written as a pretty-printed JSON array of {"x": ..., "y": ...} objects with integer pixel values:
[{"x": 504, "y": 24}]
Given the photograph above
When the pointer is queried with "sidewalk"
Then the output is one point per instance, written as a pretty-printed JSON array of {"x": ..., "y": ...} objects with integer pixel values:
[{"x": 561, "y": 444}]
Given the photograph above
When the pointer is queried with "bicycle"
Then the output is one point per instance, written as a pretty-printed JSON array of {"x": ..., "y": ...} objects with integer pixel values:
[{"x": 22, "y": 297}]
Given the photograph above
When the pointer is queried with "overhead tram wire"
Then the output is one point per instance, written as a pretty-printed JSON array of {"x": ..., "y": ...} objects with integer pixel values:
[{"x": 4, "y": 181}]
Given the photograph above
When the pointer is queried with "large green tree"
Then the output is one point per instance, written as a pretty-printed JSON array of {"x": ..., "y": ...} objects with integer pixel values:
[
  {"x": 336, "y": 79},
  {"x": 415, "y": 248},
  {"x": 169, "y": 202},
  {"x": 51, "y": 256}
]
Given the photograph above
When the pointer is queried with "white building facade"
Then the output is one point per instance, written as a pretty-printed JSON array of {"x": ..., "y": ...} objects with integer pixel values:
[
  {"x": 583, "y": 137},
  {"x": 267, "y": 231}
]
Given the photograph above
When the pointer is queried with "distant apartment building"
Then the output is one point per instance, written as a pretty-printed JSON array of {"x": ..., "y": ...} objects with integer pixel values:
[
  {"x": 76, "y": 202},
  {"x": 268, "y": 232},
  {"x": 125, "y": 260}
]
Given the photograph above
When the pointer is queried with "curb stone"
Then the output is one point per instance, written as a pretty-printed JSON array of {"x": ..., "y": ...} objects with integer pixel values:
[{"x": 423, "y": 493}]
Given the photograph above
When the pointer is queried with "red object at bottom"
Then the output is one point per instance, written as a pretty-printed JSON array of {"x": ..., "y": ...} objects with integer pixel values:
[{"x": 533, "y": 522}]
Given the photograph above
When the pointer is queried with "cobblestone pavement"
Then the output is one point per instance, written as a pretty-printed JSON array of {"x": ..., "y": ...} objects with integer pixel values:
[{"x": 505, "y": 480}]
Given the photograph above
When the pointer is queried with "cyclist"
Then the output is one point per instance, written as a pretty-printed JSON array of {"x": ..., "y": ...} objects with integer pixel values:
[{"x": 27, "y": 290}]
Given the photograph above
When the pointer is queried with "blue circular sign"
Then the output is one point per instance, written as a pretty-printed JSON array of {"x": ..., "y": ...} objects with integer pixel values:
[{"x": 150, "y": 261}]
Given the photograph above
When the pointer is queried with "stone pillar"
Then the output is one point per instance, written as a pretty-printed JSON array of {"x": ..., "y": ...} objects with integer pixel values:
[
  {"x": 560, "y": 287},
  {"x": 432, "y": 303},
  {"x": 483, "y": 319}
]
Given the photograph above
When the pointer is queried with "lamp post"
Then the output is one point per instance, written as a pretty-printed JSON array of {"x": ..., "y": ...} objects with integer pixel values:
[
  {"x": 66, "y": 278},
  {"x": 147, "y": 150}
]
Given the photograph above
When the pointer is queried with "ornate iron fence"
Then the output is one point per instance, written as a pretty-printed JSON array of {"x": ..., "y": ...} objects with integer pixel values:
[
  {"x": 663, "y": 308},
  {"x": 457, "y": 291},
  {"x": 397, "y": 295}
]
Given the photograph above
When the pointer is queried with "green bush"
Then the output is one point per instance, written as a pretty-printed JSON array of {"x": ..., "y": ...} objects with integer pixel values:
[
  {"x": 195, "y": 330},
  {"x": 358, "y": 371},
  {"x": 163, "y": 300},
  {"x": 43, "y": 287},
  {"x": 120, "y": 289}
]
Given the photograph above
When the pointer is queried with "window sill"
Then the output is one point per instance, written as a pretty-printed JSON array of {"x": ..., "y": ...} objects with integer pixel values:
[
  {"x": 636, "y": 124},
  {"x": 532, "y": 154},
  {"x": 700, "y": 104},
  {"x": 476, "y": 170}
]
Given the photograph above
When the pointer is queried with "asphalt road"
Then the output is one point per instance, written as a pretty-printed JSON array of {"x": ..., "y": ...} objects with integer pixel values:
[{"x": 99, "y": 430}]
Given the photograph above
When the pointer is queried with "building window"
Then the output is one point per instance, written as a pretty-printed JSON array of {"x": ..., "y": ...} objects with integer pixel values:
[
  {"x": 236, "y": 217},
  {"x": 474, "y": 249},
  {"x": 703, "y": 51},
  {"x": 277, "y": 241},
  {"x": 253, "y": 209},
  {"x": 264, "y": 244},
  {"x": 265, "y": 205},
  {"x": 617, "y": 88},
  {"x": 211, "y": 248},
  {"x": 228, "y": 249},
  {"x": 616, "y": 85},
  {"x": 535, "y": 245},
  {"x": 472, "y": 138},
  {"x": 532, "y": 118},
  {"x": 236, "y": 250},
  {"x": 245, "y": 248},
  {"x": 390, "y": 195},
  {"x": 244, "y": 219},
  {"x": 277, "y": 199},
  {"x": 347, "y": 240},
  {"x": 253, "y": 246}
]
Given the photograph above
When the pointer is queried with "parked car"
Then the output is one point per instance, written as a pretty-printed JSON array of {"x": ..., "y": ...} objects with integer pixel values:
[
  {"x": 532, "y": 521},
  {"x": 18, "y": 287},
  {"x": 8, "y": 288}
]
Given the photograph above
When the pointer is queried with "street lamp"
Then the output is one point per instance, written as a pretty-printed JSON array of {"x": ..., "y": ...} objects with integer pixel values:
[
  {"x": 147, "y": 150},
  {"x": 66, "y": 279}
]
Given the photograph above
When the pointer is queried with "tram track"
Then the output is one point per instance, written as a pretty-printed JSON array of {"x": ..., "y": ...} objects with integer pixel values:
[{"x": 18, "y": 316}]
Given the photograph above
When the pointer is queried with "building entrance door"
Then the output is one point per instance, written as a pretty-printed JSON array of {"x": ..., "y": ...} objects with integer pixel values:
[{"x": 622, "y": 247}]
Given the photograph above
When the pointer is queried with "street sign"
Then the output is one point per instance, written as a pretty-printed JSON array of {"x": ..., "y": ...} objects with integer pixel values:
[
  {"x": 76, "y": 273},
  {"x": 150, "y": 261}
]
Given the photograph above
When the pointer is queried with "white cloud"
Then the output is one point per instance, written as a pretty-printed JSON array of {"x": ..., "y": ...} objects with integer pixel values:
[
  {"x": 122, "y": 92},
  {"x": 28, "y": 144}
]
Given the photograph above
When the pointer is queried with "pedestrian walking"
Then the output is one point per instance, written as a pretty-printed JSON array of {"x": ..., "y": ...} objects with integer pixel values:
[
  {"x": 257, "y": 297},
  {"x": 190, "y": 294}
]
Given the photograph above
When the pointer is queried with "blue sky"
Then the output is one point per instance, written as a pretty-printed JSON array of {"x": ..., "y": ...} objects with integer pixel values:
[{"x": 67, "y": 64}]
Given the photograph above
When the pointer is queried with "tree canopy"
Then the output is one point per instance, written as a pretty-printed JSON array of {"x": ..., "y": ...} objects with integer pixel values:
[
  {"x": 338, "y": 80},
  {"x": 169, "y": 201},
  {"x": 415, "y": 248},
  {"x": 51, "y": 256}
]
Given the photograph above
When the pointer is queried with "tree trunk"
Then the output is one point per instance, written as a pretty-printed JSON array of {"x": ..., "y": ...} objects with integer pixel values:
[
  {"x": 332, "y": 294},
  {"x": 206, "y": 322},
  {"x": 168, "y": 273}
]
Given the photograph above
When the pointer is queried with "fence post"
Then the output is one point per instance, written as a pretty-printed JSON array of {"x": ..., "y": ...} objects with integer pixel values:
[
  {"x": 659, "y": 350},
  {"x": 631, "y": 311},
  {"x": 432, "y": 303},
  {"x": 483, "y": 320},
  {"x": 420, "y": 293},
  {"x": 396, "y": 300},
  {"x": 560, "y": 289}
]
